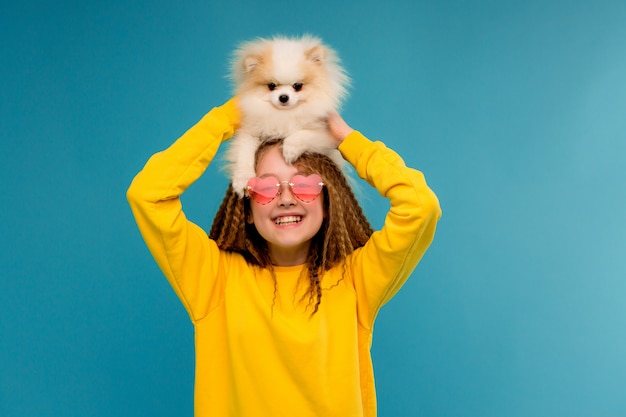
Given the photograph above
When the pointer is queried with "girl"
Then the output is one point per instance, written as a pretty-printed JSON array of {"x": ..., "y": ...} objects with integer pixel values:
[{"x": 284, "y": 291}]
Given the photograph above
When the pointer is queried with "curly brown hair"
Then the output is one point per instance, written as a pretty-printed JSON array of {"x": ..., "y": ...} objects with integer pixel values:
[{"x": 344, "y": 229}]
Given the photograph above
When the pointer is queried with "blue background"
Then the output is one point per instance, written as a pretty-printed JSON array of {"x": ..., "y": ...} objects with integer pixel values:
[{"x": 514, "y": 110}]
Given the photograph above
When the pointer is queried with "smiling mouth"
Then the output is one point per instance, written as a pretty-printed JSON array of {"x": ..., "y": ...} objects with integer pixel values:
[{"x": 281, "y": 221}]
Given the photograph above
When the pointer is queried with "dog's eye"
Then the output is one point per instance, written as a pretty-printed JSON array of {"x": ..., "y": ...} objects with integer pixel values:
[
  {"x": 271, "y": 86},
  {"x": 297, "y": 86}
]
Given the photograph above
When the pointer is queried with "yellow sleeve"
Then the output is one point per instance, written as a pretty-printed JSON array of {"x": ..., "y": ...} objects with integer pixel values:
[
  {"x": 389, "y": 257},
  {"x": 183, "y": 251}
]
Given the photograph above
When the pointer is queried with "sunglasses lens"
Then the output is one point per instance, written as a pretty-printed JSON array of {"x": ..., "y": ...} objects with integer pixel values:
[
  {"x": 306, "y": 188},
  {"x": 263, "y": 190}
]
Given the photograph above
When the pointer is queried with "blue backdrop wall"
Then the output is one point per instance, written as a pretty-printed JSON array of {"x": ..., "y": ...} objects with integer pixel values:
[{"x": 514, "y": 110}]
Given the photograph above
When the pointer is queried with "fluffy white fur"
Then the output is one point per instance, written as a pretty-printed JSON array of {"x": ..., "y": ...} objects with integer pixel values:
[{"x": 285, "y": 88}]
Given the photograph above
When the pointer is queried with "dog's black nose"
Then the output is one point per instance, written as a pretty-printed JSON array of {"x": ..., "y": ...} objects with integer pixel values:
[{"x": 284, "y": 98}]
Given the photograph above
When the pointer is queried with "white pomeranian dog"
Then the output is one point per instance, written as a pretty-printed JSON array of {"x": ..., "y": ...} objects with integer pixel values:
[{"x": 285, "y": 88}]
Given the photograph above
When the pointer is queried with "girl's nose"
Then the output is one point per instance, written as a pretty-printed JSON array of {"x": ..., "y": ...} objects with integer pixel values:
[{"x": 285, "y": 195}]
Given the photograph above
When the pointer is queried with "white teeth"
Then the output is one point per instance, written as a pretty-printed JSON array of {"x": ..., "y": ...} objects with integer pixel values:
[{"x": 288, "y": 220}]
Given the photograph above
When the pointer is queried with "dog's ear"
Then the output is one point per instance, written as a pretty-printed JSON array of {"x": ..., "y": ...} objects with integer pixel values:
[
  {"x": 251, "y": 62},
  {"x": 317, "y": 54}
]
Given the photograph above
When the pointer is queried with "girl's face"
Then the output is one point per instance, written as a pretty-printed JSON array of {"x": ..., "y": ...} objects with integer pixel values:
[{"x": 287, "y": 223}]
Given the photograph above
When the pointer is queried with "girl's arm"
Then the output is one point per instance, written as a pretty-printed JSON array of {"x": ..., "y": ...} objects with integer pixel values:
[
  {"x": 389, "y": 257},
  {"x": 183, "y": 251}
]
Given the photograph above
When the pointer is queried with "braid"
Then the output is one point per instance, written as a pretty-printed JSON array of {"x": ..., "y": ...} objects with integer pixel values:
[
  {"x": 344, "y": 229},
  {"x": 226, "y": 225}
]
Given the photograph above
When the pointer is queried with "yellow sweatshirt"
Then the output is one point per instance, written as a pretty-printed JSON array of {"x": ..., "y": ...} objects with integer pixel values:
[{"x": 260, "y": 354}]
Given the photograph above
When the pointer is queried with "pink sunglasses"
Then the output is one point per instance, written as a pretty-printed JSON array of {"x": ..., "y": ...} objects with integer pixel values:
[{"x": 306, "y": 188}]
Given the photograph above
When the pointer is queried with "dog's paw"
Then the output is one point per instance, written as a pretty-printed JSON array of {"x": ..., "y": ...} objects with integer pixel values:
[{"x": 291, "y": 152}]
